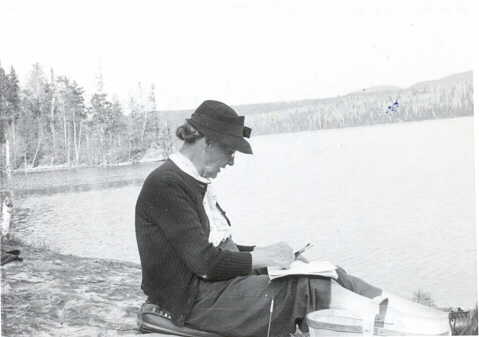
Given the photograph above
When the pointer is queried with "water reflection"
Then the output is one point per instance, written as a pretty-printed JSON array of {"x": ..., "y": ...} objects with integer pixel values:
[
  {"x": 79, "y": 179},
  {"x": 76, "y": 188}
]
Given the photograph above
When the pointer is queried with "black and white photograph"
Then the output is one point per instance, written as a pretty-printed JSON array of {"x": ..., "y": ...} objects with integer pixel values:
[{"x": 238, "y": 168}]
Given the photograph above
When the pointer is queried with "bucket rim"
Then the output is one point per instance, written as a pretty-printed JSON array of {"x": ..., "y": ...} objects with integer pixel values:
[{"x": 353, "y": 328}]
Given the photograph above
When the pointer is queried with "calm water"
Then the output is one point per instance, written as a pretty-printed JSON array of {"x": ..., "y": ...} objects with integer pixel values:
[{"x": 393, "y": 204}]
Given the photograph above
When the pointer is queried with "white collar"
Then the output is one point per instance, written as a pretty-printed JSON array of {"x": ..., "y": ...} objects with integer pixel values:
[{"x": 187, "y": 166}]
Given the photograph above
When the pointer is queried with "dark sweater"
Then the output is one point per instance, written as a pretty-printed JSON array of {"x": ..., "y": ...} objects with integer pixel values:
[{"x": 172, "y": 231}]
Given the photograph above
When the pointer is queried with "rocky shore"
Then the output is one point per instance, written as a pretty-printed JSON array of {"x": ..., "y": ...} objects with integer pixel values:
[{"x": 51, "y": 294}]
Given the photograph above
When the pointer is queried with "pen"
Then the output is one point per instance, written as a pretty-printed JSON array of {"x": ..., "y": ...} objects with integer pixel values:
[{"x": 302, "y": 250}]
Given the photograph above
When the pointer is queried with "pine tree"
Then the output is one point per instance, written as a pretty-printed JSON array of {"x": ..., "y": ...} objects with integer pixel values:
[
  {"x": 4, "y": 148},
  {"x": 135, "y": 127},
  {"x": 154, "y": 129},
  {"x": 3, "y": 104},
  {"x": 107, "y": 118},
  {"x": 36, "y": 107},
  {"x": 118, "y": 132},
  {"x": 76, "y": 105},
  {"x": 9, "y": 112},
  {"x": 52, "y": 116},
  {"x": 13, "y": 109},
  {"x": 13, "y": 94}
]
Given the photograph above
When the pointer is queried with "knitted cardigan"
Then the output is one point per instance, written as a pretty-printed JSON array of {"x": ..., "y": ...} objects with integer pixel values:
[{"x": 172, "y": 231}]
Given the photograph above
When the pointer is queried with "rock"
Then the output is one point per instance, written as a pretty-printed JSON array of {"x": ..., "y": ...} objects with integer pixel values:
[{"x": 51, "y": 294}]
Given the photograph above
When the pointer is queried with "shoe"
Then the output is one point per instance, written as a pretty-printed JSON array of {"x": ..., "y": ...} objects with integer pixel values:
[
  {"x": 463, "y": 322},
  {"x": 152, "y": 319}
]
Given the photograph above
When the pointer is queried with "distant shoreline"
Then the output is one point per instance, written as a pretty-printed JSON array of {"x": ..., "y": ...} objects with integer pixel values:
[
  {"x": 78, "y": 179},
  {"x": 27, "y": 183},
  {"x": 56, "y": 168}
]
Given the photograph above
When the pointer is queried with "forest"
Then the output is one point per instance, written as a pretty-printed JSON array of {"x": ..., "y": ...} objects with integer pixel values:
[{"x": 51, "y": 121}]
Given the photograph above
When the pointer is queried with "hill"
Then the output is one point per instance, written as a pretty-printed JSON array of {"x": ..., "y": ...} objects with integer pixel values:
[{"x": 450, "y": 96}]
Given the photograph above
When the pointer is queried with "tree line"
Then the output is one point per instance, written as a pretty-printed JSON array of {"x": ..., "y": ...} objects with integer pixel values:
[
  {"x": 448, "y": 97},
  {"x": 445, "y": 98},
  {"x": 49, "y": 121}
]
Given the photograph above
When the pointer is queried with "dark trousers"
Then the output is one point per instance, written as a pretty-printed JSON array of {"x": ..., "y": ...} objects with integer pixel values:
[{"x": 240, "y": 307}]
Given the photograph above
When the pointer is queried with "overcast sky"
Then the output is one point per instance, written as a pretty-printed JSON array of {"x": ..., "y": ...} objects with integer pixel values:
[{"x": 239, "y": 51}]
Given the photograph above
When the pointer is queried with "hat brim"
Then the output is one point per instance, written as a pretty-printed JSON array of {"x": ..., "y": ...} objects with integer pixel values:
[{"x": 236, "y": 143}]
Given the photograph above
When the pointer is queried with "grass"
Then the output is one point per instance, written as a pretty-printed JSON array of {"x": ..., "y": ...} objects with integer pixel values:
[{"x": 422, "y": 297}]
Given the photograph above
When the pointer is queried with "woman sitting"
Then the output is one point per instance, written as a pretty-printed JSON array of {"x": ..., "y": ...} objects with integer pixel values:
[{"x": 194, "y": 273}]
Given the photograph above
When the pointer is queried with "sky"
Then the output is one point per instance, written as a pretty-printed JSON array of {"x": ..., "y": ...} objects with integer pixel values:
[{"x": 239, "y": 51}]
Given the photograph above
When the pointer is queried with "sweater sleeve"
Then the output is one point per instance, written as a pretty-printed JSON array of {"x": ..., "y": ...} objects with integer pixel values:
[{"x": 171, "y": 209}]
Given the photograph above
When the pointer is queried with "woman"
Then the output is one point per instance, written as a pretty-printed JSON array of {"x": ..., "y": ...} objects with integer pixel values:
[{"x": 195, "y": 275}]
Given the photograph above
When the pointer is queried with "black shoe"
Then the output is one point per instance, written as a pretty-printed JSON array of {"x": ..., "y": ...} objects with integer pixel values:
[
  {"x": 152, "y": 319},
  {"x": 463, "y": 322}
]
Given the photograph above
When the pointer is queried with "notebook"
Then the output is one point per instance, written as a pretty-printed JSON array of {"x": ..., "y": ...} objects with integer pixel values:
[{"x": 317, "y": 268}]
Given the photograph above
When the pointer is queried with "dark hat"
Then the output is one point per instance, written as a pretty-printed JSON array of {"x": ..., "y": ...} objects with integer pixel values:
[{"x": 219, "y": 122}]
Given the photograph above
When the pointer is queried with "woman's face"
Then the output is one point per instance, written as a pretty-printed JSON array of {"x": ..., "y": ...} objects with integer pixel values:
[{"x": 217, "y": 156}]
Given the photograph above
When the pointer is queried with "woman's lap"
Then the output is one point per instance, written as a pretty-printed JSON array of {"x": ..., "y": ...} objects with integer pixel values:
[{"x": 240, "y": 307}]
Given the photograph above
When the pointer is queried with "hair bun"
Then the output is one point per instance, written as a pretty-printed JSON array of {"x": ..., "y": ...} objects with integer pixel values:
[{"x": 188, "y": 133}]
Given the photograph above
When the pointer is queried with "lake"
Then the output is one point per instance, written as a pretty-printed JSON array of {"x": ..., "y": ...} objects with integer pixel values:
[{"x": 393, "y": 204}]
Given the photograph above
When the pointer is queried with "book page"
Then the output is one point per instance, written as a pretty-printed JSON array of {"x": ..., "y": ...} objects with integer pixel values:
[{"x": 317, "y": 267}]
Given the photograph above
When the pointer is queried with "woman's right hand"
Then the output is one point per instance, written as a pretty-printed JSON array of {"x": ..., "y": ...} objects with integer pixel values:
[{"x": 279, "y": 254}]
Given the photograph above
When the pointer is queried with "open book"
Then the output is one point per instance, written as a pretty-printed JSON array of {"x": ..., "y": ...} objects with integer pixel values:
[{"x": 318, "y": 268}]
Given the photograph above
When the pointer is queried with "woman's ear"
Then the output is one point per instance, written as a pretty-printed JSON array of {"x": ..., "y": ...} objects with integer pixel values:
[
  {"x": 205, "y": 144},
  {"x": 208, "y": 143}
]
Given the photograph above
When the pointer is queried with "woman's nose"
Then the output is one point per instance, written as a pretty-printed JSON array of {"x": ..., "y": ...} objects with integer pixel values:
[{"x": 231, "y": 161}]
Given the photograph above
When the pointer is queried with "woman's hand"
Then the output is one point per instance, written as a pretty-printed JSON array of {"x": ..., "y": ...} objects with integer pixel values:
[{"x": 279, "y": 254}]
